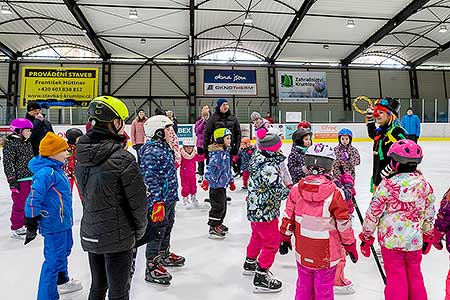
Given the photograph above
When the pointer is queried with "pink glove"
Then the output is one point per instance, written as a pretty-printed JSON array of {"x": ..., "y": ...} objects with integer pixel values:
[
  {"x": 235, "y": 159},
  {"x": 351, "y": 250},
  {"x": 250, "y": 152},
  {"x": 346, "y": 178},
  {"x": 232, "y": 186},
  {"x": 437, "y": 239},
  {"x": 427, "y": 242},
  {"x": 365, "y": 244}
]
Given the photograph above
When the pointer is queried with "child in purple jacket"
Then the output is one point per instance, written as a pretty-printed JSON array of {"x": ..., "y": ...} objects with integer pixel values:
[
  {"x": 199, "y": 128},
  {"x": 301, "y": 140},
  {"x": 347, "y": 156}
]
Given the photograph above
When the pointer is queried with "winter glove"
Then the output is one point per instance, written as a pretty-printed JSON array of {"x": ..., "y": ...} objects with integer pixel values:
[
  {"x": 205, "y": 185},
  {"x": 427, "y": 242},
  {"x": 387, "y": 171},
  {"x": 158, "y": 212},
  {"x": 32, "y": 225},
  {"x": 346, "y": 178},
  {"x": 232, "y": 186},
  {"x": 285, "y": 244},
  {"x": 365, "y": 244},
  {"x": 351, "y": 251},
  {"x": 14, "y": 187},
  {"x": 250, "y": 152},
  {"x": 235, "y": 159},
  {"x": 437, "y": 239}
]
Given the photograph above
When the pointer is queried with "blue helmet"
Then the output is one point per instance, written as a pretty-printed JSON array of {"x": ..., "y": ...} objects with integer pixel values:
[{"x": 345, "y": 131}]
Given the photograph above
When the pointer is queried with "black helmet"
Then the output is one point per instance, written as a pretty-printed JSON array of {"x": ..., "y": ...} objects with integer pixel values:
[
  {"x": 297, "y": 136},
  {"x": 72, "y": 134}
]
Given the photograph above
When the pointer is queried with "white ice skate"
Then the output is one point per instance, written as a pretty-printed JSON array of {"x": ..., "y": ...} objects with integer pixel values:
[
  {"x": 380, "y": 257},
  {"x": 199, "y": 178},
  {"x": 344, "y": 290},
  {"x": 186, "y": 203},
  {"x": 194, "y": 201},
  {"x": 19, "y": 234},
  {"x": 70, "y": 286}
]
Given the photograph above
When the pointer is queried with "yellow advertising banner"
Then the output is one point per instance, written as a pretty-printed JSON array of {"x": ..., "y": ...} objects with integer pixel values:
[{"x": 79, "y": 85}]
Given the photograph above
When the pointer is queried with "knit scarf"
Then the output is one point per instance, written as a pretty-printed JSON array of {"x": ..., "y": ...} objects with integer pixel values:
[{"x": 186, "y": 155}]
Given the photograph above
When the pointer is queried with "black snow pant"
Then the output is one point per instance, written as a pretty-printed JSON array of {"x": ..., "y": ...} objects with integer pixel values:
[{"x": 218, "y": 201}]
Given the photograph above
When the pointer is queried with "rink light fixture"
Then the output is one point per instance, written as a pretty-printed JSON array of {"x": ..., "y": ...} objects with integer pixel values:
[
  {"x": 133, "y": 14},
  {"x": 326, "y": 47},
  {"x": 443, "y": 28},
  {"x": 143, "y": 41},
  {"x": 248, "y": 20},
  {"x": 6, "y": 10},
  {"x": 351, "y": 23}
]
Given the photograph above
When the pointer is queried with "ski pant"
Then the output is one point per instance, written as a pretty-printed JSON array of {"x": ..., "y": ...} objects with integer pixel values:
[
  {"x": 218, "y": 201},
  {"x": 201, "y": 168},
  {"x": 264, "y": 242},
  {"x": 188, "y": 184},
  {"x": 18, "y": 207},
  {"x": 158, "y": 234},
  {"x": 245, "y": 176},
  {"x": 110, "y": 272},
  {"x": 315, "y": 284},
  {"x": 404, "y": 279},
  {"x": 447, "y": 286},
  {"x": 57, "y": 248},
  {"x": 339, "y": 279}
]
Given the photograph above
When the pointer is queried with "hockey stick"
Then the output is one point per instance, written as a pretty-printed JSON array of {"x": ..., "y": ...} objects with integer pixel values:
[{"x": 372, "y": 248}]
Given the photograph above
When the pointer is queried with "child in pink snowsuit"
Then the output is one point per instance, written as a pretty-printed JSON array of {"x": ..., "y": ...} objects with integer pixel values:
[
  {"x": 189, "y": 159},
  {"x": 317, "y": 215},
  {"x": 402, "y": 210}
]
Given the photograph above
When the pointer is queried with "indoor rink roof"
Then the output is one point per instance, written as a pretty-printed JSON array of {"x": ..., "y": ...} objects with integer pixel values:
[{"x": 406, "y": 33}]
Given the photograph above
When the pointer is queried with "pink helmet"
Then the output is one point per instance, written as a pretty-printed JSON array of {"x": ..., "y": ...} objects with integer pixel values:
[
  {"x": 406, "y": 151},
  {"x": 19, "y": 124}
]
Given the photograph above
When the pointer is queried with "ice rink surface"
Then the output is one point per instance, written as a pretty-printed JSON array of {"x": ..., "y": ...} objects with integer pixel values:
[{"x": 213, "y": 268}]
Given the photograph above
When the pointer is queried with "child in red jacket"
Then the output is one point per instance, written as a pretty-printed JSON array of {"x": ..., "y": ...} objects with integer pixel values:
[
  {"x": 72, "y": 136},
  {"x": 189, "y": 159}
]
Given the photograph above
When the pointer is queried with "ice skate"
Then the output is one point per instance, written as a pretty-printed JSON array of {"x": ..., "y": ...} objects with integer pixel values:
[
  {"x": 199, "y": 178},
  {"x": 380, "y": 257},
  {"x": 186, "y": 203},
  {"x": 264, "y": 282},
  {"x": 172, "y": 260},
  {"x": 347, "y": 289},
  {"x": 249, "y": 267},
  {"x": 216, "y": 232},
  {"x": 70, "y": 286},
  {"x": 156, "y": 273},
  {"x": 224, "y": 228},
  {"x": 19, "y": 234},
  {"x": 194, "y": 201}
]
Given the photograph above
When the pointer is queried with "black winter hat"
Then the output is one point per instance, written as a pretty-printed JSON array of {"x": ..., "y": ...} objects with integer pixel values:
[{"x": 32, "y": 105}]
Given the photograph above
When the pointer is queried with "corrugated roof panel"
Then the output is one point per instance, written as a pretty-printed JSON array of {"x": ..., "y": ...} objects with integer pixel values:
[
  {"x": 314, "y": 53},
  {"x": 207, "y": 19},
  {"x": 21, "y": 42},
  {"x": 149, "y": 49},
  {"x": 442, "y": 59},
  {"x": 270, "y": 5},
  {"x": 160, "y": 3},
  {"x": 15, "y": 26},
  {"x": 379, "y": 8},
  {"x": 432, "y": 13},
  {"x": 45, "y": 10},
  {"x": 335, "y": 29}
]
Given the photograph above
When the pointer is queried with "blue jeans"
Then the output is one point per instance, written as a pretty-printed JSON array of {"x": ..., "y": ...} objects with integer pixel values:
[
  {"x": 159, "y": 233},
  {"x": 57, "y": 248}
]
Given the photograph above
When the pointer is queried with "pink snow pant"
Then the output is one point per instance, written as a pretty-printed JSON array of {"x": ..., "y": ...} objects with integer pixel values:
[
  {"x": 315, "y": 284},
  {"x": 264, "y": 242},
  {"x": 188, "y": 185},
  {"x": 18, "y": 207},
  {"x": 339, "y": 279},
  {"x": 447, "y": 286},
  {"x": 404, "y": 279}
]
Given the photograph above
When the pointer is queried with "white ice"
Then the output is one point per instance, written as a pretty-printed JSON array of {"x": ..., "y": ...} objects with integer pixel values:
[{"x": 213, "y": 268}]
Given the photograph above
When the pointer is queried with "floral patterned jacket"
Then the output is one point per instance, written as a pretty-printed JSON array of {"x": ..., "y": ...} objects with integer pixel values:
[
  {"x": 346, "y": 157},
  {"x": 402, "y": 209},
  {"x": 442, "y": 222}
]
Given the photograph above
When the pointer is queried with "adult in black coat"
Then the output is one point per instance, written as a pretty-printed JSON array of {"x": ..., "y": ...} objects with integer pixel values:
[
  {"x": 41, "y": 126},
  {"x": 223, "y": 118},
  {"x": 114, "y": 199}
]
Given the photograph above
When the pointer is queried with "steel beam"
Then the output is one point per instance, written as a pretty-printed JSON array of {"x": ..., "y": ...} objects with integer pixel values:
[
  {"x": 79, "y": 16},
  {"x": 299, "y": 16},
  {"x": 402, "y": 16},
  {"x": 192, "y": 93},
  {"x": 347, "y": 98},
  {"x": 106, "y": 78},
  {"x": 429, "y": 55},
  {"x": 12, "y": 92},
  {"x": 272, "y": 80},
  {"x": 192, "y": 31},
  {"x": 8, "y": 51},
  {"x": 413, "y": 84}
]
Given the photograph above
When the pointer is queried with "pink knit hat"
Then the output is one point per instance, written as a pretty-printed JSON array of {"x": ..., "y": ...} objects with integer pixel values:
[{"x": 268, "y": 141}]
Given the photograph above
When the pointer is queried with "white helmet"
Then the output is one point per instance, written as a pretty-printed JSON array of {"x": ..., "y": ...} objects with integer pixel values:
[
  {"x": 320, "y": 156},
  {"x": 189, "y": 142},
  {"x": 155, "y": 124}
]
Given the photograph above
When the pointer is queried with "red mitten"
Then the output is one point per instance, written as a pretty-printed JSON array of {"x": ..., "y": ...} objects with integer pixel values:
[
  {"x": 437, "y": 239},
  {"x": 232, "y": 186},
  {"x": 205, "y": 185},
  {"x": 365, "y": 244},
  {"x": 351, "y": 250},
  {"x": 427, "y": 242},
  {"x": 158, "y": 212}
]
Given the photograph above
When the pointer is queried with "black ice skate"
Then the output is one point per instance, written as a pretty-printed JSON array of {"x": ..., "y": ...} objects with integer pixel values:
[
  {"x": 170, "y": 259},
  {"x": 156, "y": 273},
  {"x": 224, "y": 228},
  {"x": 216, "y": 232},
  {"x": 249, "y": 266},
  {"x": 263, "y": 282}
]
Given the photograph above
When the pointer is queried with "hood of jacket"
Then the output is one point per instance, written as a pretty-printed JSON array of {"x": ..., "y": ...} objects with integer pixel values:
[
  {"x": 40, "y": 162},
  {"x": 216, "y": 147},
  {"x": 316, "y": 188},
  {"x": 97, "y": 146},
  {"x": 405, "y": 186}
]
